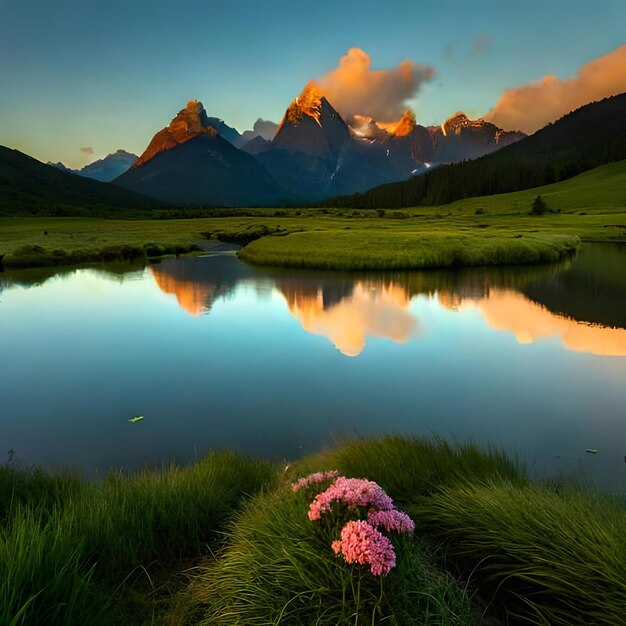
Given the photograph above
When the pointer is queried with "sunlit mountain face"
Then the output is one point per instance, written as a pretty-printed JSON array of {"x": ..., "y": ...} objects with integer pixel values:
[
  {"x": 190, "y": 122},
  {"x": 192, "y": 296},
  {"x": 195, "y": 285},
  {"x": 348, "y": 311}
]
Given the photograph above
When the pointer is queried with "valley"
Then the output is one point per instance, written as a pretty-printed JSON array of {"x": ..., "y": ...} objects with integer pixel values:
[{"x": 496, "y": 229}]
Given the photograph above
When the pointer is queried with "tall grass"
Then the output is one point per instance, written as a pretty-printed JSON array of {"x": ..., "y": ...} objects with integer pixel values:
[
  {"x": 551, "y": 559},
  {"x": 32, "y": 487},
  {"x": 278, "y": 569},
  {"x": 73, "y": 552},
  {"x": 44, "y": 576},
  {"x": 103, "y": 533},
  {"x": 411, "y": 468}
]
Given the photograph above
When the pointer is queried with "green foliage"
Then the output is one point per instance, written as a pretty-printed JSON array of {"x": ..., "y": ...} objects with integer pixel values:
[
  {"x": 44, "y": 578},
  {"x": 32, "y": 487},
  {"x": 389, "y": 241},
  {"x": 405, "y": 250},
  {"x": 539, "y": 207},
  {"x": 73, "y": 552},
  {"x": 244, "y": 236},
  {"x": 552, "y": 559},
  {"x": 410, "y": 468},
  {"x": 67, "y": 550},
  {"x": 278, "y": 568}
]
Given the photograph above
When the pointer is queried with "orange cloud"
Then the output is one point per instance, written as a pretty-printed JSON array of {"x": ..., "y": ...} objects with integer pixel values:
[
  {"x": 355, "y": 88},
  {"x": 532, "y": 106}
]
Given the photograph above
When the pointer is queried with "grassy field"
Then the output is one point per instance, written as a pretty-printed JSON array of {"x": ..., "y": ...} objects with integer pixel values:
[
  {"x": 490, "y": 230},
  {"x": 227, "y": 541}
]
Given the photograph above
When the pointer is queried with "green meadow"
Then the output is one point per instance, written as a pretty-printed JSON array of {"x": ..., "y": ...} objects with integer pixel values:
[
  {"x": 226, "y": 541},
  {"x": 491, "y": 230}
]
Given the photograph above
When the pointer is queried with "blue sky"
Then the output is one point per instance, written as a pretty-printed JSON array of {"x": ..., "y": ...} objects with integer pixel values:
[{"x": 108, "y": 75}]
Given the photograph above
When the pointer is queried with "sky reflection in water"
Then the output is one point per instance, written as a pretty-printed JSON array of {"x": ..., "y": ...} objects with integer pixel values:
[{"x": 272, "y": 362}]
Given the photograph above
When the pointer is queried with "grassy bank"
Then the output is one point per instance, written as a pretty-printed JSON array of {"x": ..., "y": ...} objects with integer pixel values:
[
  {"x": 490, "y": 230},
  {"x": 73, "y": 552},
  {"x": 359, "y": 250},
  {"x": 488, "y": 541}
]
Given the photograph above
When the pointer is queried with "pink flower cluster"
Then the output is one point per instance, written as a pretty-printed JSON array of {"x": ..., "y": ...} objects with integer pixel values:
[
  {"x": 362, "y": 543},
  {"x": 314, "y": 479},
  {"x": 354, "y": 492},
  {"x": 361, "y": 540},
  {"x": 393, "y": 520}
]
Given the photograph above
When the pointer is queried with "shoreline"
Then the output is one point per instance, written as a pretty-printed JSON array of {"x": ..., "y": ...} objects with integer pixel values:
[{"x": 488, "y": 539}]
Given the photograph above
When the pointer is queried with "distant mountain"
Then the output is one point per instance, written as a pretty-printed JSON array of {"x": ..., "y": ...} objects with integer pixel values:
[
  {"x": 462, "y": 139},
  {"x": 62, "y": 167},
  {"x": 225, "y": 131},
  {"x": 105, "y": 170},
  {"x": 311, "y": 156},
  {"x": 188, "y": 162},
  {"x": 257, "y": 145},
  {"x": 29, "y": 187},
  {"x": 261, "y": 128},
  {"x": 109, "y": 168},
  {"x": 586, "y": 138}
]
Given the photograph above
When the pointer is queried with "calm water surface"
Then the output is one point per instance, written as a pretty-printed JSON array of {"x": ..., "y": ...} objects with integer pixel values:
[{"x": 276, "y": 363}]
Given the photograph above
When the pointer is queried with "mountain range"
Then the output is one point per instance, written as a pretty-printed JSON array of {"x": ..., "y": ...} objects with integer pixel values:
[
  {"x": 105, "y": 170},
  {"x": 591, "y": 136},
  {"x": 313, "y": 155},
  {"x": 29, "y": 187},
  {"x": 316, "y": 157}
]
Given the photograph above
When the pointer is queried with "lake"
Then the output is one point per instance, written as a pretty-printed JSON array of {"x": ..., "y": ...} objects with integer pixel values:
[{"x": 217, "y": 354}]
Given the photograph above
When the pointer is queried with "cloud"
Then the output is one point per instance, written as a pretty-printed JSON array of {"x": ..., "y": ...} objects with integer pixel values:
[
  {"x": 480, "y": 45},
  {"x": 87, "y": 150},
  {"x": 354, "y": 88},
  {"x": 532, "y": 106}
]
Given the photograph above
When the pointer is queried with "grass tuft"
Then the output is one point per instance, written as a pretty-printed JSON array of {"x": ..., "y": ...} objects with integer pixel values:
[
  {"x": 65, "y": 542},
  {"x": 412, "y": 468},
  {"x": 278, "y": 569},
  {"x": 549, "y": 558}
]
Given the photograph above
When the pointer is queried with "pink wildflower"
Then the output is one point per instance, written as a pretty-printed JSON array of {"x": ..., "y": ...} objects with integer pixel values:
[
  {"x": 362, "y": 543},
  {"x": 392, "y": 520},
  {"x": 354, "y": 492},
  {"x": 313, "y": 479}
]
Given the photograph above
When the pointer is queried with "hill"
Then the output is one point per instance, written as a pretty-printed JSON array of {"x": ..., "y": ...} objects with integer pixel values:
[
  {"x": 584, "y": 139},
  {"x": 29, "y": 187}
]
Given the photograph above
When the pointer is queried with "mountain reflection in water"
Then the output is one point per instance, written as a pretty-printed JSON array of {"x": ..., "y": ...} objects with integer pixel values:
[{"x": 530, "y": 303}]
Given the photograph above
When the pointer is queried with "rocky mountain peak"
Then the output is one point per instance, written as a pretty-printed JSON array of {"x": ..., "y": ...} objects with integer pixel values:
[
  {"x": 190, "y": 122},
  {"x": 457, "y": 122},
  {"x": 309, "y": 102},
  {"x": 402, "y": 127}
]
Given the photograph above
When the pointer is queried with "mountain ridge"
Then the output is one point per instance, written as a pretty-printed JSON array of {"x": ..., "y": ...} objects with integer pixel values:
[{"x": 590, "y": 136}]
